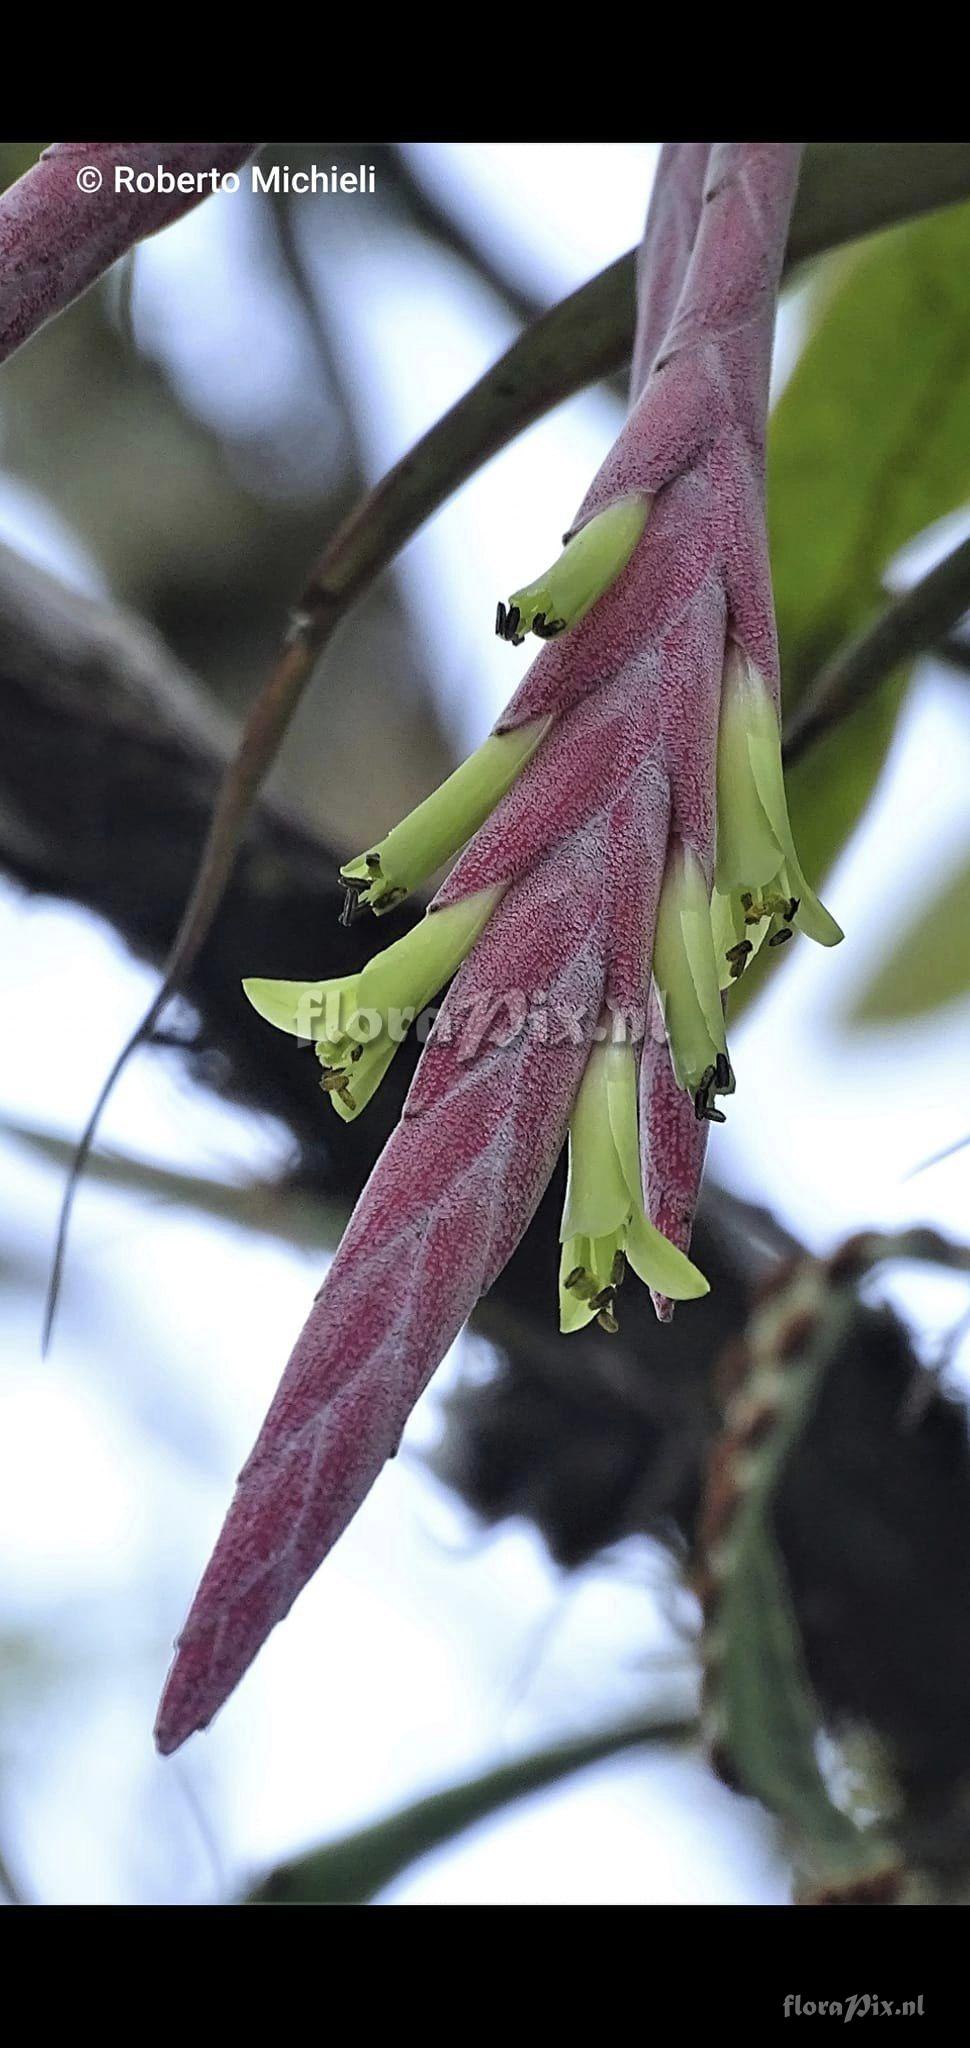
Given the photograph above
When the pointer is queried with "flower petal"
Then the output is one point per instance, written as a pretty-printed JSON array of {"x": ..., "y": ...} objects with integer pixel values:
[
  {"x": 660, "y": 1265},
  {"x": 307, "y": 1009}
]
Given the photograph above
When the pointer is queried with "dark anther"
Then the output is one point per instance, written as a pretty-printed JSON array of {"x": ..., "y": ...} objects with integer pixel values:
[
  {"x": 618, "y": 1273},
  {"x": 604, "y": 1299},
  {"x": 704, "y": 1109},
  {"x": 538, "y": 623},
  {"x": 357, "y": 1054},
  {"x": 703, "y": 1092},
  {"x": 724, "y": 1081},
  {"x": 351, "y": 906},
  {"x": 607, "y": 1321},
  {"x": 373, "y": 861},
  {"x": 792, "y": 908},
  {"x": 780, "y": 937},
  {"x": 575, "y": 1276},
  {"x": 546, "y": 629},
  {"x": 507, "y": 624},
  {"x": 738, "y": 957}
]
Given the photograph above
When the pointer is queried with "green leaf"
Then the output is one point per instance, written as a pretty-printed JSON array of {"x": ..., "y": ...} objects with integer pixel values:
[
  {"x": 351, "y": 1871},
  {"x": 270, "y": 1208},
  {"x": 771, "y": 1719},
  {"x": 929, "y": 964},
  {"x": 869, "y": 444}
]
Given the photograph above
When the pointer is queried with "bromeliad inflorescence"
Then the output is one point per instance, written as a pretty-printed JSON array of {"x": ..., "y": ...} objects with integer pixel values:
[{"x": 623, "y": 847}]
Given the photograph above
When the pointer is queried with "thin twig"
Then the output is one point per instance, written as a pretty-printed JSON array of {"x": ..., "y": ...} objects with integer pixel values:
[
  {"x": 912, "y": 622},
  {"x": 352, "y": 1870}
]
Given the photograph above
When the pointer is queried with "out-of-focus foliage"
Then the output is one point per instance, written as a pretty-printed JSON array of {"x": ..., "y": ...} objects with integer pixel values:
[
  {"x": 869, "y": 445},
  {"x": 767, "y": 1717},
  {"x": 353, "y": 1870},
  {"x": 15, "y": 159},
  {"x": 930, "y": 960}
]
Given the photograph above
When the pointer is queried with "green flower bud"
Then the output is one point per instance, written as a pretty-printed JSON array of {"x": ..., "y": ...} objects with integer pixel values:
[
  {"x": 760, "y": 887},
  {"x": 685, "y": 972},
  {"x": 590, "y": 562},
  {"x": 358, "y": 1021},
  {"x": 604, "y": 1226},
  {"x": 443, "y": 823}
]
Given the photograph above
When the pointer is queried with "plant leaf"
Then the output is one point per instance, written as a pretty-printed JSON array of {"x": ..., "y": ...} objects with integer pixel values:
[
  {"x": 352, "y": 1870},
  {"x": 929, "y": 964},
  {"x": 869, "y": 445}
]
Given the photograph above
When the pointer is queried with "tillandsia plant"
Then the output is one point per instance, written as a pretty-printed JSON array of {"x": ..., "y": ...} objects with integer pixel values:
[{"x": 623, "y": 846}]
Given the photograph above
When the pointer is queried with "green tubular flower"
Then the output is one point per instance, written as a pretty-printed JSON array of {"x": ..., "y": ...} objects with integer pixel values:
[
  {"x": 604, "y": 1226},
  {"x": 439, "y": 826},
  {"x": 760, "y": 888},
  {"x": 591, "y": 560},
  {"x": 358, "y": 1021},
  {"x": 685, "y": 971}
]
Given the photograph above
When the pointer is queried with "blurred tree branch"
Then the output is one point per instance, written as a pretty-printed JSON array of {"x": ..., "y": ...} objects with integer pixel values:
[
  {"x": 434, "y": 219},
  {"x": 351, "y": 1871},
  {"x": 911, "y": 624}
]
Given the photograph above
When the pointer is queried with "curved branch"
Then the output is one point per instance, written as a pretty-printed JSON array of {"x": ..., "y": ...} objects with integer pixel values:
[
  {"x": 352, "y": 1870},
  {"x": 58, "y": 236},
  {"x": 908, "y": 626}
]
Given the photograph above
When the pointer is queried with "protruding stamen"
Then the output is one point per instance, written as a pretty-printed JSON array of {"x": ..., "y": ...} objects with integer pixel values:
[
  {"x": 737, "y": 958},
  {"x": 433, "y": 833},
  {"x": 724, "y": 1080},
  {"x": 603, "y": 1299},
  {"x": 758, "y": 876},
  {"x": 388, "y": 993},
  {"x": 592, "y": 559}
]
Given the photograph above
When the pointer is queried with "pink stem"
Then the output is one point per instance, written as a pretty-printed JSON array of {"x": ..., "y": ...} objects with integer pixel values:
[
  {"x": 664, "y": 253},
  {"x": 57, "y": 238}
]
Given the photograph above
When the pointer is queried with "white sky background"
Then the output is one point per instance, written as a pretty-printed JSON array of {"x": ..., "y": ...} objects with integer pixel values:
[{"x": 420, "y": 1652}]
